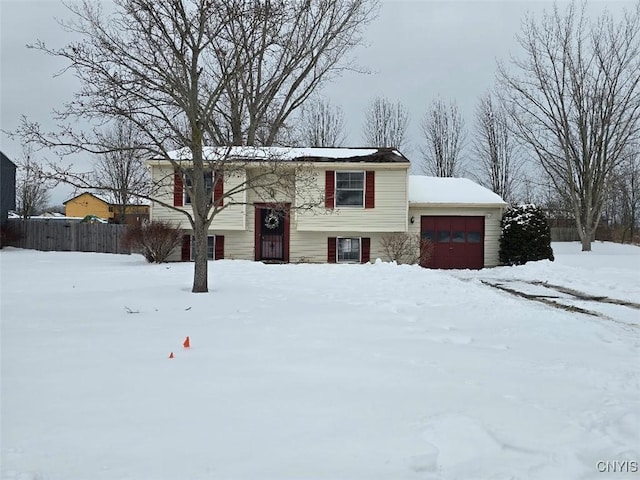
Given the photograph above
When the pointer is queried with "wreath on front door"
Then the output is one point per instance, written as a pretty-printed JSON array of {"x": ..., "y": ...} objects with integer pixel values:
[{"x": 272, "y": 220}]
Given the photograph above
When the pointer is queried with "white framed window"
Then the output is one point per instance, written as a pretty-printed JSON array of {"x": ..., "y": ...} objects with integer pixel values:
[
  {"x": 350, "y": 189},
  {"x": 348, "y": 250},
  {"x": 208, "y": 185},
  {"x": 211, "y": 247}
]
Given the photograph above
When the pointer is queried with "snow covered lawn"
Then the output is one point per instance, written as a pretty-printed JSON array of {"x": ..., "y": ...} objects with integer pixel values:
[{"x": 313, "y": 371}]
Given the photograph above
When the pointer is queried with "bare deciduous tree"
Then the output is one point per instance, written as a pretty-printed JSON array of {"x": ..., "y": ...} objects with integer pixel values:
[
  {"x": 322, "y": 125},
  {"x": 443, "y": 131},
  {"x": 386, "y": 124},
  {"x": 121, "y": 171},
  {"x": 622, "y": 207},
  {"x": 574, "y": 95},
  {"x": 496, "y": 150},
  {"x": 187, "y": 73},
  {"x": 32, "y": 188},
  {"x": 280, "y": 52}
]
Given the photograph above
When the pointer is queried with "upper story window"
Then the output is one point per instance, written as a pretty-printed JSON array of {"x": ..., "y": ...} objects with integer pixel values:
[
  {"x": 180, "y": 195},
  {"x": 349, "y": 189},
  {"x": 208, "y": 185}
]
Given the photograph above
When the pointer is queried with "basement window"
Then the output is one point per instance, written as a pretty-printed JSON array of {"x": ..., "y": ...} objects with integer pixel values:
[
  {"x": 211, "y": 247},
  {"x": 348, "y": 250}
]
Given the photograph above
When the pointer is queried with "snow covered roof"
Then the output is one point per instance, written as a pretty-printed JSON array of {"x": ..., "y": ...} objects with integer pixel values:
[
  {"x": 447, "y": 190},
  {"x": 106, "y": 198},
  {"x": 296, "y": 153},
  {"x": 100, "y": 196}
]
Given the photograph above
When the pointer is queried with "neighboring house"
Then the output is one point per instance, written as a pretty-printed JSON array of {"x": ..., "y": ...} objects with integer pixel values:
[
  {"x": 366, "y": 194},
  {"x": 94, "y": 204},
  {"x": 7, "y": 187}
]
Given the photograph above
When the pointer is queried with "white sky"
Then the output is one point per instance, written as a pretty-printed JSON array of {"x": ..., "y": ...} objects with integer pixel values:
[{"x": 416, "y": 51}]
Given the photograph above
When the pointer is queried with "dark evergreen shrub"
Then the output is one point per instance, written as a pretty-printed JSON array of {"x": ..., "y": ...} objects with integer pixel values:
[
  {"x": 9, "y": 235},
  {"x": 525, "y": 236}
]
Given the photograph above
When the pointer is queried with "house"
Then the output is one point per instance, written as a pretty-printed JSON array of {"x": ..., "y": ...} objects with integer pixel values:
[
  {"x": 94, "y": 204},
  {"x": 7, "y": 187},
  {"x": 366, "y": 194}
]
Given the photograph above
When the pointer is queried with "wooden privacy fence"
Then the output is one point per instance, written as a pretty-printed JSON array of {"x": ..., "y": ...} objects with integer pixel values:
[
  {"x": 564, "y": 234},
  {"x": 570, "y": 234},
  {"x": 67, "y": 236}
]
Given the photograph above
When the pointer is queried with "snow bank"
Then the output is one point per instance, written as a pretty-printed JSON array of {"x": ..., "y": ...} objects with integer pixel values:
[{"x": 308, "y": 372}]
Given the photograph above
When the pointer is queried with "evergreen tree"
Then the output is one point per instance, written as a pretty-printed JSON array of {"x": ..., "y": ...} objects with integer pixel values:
[{"x": 525, "y": 236}]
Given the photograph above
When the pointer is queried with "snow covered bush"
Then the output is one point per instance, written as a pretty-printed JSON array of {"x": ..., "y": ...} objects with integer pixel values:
[
  {"x": 154, "y": 240},
  {"x": 525, "y": 235}
]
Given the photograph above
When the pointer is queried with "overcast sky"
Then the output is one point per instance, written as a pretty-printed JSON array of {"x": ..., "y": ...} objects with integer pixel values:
[{"x": 416, "y": 51}]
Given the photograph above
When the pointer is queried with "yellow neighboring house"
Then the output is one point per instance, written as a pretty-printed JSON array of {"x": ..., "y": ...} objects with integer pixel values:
[{"x": 90, "y": 204}]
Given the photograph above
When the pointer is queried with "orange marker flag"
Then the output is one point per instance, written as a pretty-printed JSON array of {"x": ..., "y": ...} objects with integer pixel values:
[
  {"x": 186, "y": 343},
  {"x": 171, "y": 355}
]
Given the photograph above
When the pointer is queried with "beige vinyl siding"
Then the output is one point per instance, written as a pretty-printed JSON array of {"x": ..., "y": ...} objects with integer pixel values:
[
  {"x": 305, "y": 247},
  {"x": 262, "y": 197},
  {"x": 389, "y": 214},
  {"x": 238, "y": 245},
  {"x": 231, "y": 218},
  {"x": 492, "y": 217},
  {"x": 311, "y": 247}
]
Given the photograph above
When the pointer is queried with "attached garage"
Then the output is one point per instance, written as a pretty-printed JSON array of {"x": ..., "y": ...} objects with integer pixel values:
[
  {"x": 455, "y": 242},
  {"x": 459, "y": 218}
]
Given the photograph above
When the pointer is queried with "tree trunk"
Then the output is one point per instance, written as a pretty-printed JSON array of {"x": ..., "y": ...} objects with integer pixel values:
[
  {"x": 123, "y": 209},
  {"x": 200, "y": 275},
  {"x": 633, "y": 224},
  {"x": 586, "y": 241},
  {"x": 586, "y": 234}
]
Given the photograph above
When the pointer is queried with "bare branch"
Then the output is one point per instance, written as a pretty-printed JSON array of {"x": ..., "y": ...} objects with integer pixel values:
[
  {"x": 443, "y": 131},
  {"x": 574, "y": 98},
  {"x": 386, "y": 124},
  {"x": 322, "y": 125},
  {"x": 32, "y": 185},
  {"x": 497, "y": 154}
]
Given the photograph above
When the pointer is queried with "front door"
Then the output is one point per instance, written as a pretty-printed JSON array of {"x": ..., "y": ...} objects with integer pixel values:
[{"x": 272, "y": 233}]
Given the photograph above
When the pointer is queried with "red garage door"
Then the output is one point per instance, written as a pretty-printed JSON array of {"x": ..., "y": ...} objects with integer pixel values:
[{"x": 455, "y": 242}]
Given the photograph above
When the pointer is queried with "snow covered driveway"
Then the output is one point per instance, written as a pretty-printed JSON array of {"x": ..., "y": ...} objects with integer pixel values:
[
  {"x": 604, "y": 283},
  {"x": 313, "y": 371}
]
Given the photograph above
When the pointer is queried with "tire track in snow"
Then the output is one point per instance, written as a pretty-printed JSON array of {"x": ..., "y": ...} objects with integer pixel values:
[
  {"x": 585, "y": 296},
  {"x": 555, "y": 301}
]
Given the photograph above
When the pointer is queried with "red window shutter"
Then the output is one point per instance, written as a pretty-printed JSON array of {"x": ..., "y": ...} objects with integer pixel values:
[
  {"x": 331, "y": 250},
  {"x": 365, "y": 246},
  {"x": 186, "y": 248},
  {"x": 218, "y": 253},
  {"x": 177, "y": 189},
  {"x": 370, "y": 189},
  {"x": 218, "y": 189},
  {"x": 329, "y": 189}
]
